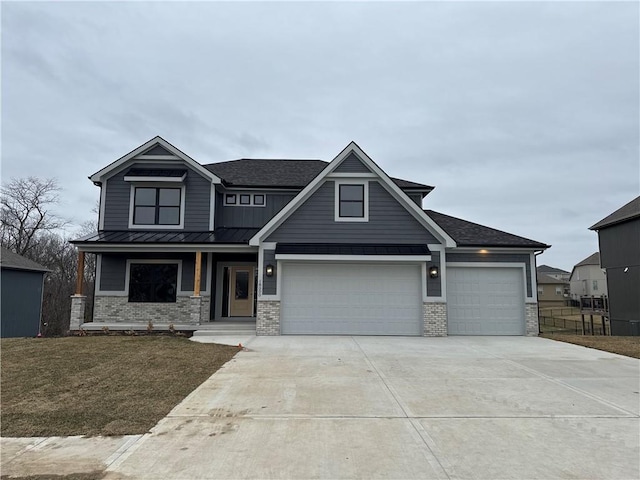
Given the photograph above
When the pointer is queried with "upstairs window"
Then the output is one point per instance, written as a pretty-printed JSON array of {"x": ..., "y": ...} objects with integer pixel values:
[
  {"x": 157, "y": 206},
  {"x": 352, "y": 203},
  {"x": 244, "y": 200}
]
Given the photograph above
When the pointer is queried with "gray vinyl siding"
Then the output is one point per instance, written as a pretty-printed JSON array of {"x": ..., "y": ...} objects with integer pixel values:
[
  {"x": 352, "y": 164},
  {"x": 498, "y": 258},
  {"x": 113, "y": 269},
  {"x": 269, "y": 283},
  {"x": 21, "y": 302},
  {"x": 434, "y": 285},
  {"x": 118, "y": 195},
  {"x": 389, "y": 222},
  {"x": 250, "y": 217},
  {"x": 157, "y": 150}
]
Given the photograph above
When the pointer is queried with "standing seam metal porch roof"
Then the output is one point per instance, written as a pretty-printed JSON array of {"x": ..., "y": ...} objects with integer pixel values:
[{"x": 220, "y": 235}]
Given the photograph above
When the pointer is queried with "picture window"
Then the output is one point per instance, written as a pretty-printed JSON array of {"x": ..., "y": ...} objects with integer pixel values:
[{"x": 153, "y": 282}]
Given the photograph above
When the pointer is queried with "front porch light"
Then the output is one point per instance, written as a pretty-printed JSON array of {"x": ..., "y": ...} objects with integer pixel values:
[
  {"x": 433, "y": 271},
  {"x": 269, "y": 270}
]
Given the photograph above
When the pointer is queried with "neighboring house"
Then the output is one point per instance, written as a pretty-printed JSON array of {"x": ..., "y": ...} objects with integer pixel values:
[
  {"x": 22, "y": 283},
  {"x": 619, "y": 239},
  {"x": 552, "y": 272},
  {"x": 552, "y": 292},
  {"x": 298, "y": 246},
  {"x": 588, "y": 278}
]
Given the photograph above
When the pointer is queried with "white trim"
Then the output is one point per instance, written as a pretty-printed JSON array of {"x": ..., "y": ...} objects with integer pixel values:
[
  {"x": 409, "y": 204},
  {"x": 110, "y": 169},
  {"x": 355, "y": 258},
  {"x": 238, "y": 204},
  {"x": 443, "y": 275},
  {"x": 423, "y": 275},
  {"x": 488, "y": 250},
  {"x": 156, "y": 179},
  {"x": 212, "y": 208},
  {"x": 132, "y": 226},
  {"x": 336, "y": 200},
  {"x": 522, "y": 266},
  {"x": 534, "y": 277},
  {"x": 179, "y": 292},
  {"x": 156, "y": 157},
  {"x": 103, "y": 200},
  {"x": 219, "y": 285},
  {"x": 352, "y": 175}
]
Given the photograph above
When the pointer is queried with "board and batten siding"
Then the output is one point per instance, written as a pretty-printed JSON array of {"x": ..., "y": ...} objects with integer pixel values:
[
  {"x": 118, "y": 197},
  {"x": 269, "y": 284},
  {"x": 497, "y": 258},
  {"x": 113, "y": 269},
  {"x": 352, "y": 164},
  {"x": 250, "y": 217},
  {"x": 434, "y": 285},
  {"x": 389, "y": 222}
]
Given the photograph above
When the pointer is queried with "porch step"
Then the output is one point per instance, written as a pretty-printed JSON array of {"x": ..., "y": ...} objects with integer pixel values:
[{"x": 226, "y": 328}]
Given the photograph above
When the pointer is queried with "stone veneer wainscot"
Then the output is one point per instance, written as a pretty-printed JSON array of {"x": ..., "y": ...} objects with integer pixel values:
[
  {"x": 268, "y": 317},
  {"x": 435, "y": 319},
  {"x": 114, "y": 309}
]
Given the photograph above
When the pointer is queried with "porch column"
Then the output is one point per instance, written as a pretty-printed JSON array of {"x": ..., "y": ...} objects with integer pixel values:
[
  {"x": 195, "y": 301},
  {"x": 197, "y": 275}
]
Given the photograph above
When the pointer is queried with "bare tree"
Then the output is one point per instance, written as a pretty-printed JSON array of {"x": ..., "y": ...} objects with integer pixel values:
[{"x": 25, "y": 212}]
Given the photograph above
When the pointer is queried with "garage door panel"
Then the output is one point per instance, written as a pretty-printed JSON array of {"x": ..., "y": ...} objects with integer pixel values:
[
  {"x": 351, "y": 299},
  {"x": 485, "y": 301}
]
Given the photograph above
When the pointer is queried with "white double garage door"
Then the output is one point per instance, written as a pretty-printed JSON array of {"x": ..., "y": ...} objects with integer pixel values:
[{"x": 386, "y": 299}]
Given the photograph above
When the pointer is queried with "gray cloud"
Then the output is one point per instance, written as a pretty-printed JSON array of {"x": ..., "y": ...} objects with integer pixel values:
[{"x": 523, "y": 115}]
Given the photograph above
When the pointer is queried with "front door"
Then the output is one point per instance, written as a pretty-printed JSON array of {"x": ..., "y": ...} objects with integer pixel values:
[{"x": 241, "y": 291}]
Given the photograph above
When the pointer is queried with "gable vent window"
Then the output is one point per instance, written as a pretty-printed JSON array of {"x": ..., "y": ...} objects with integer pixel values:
[
  {"x": 244, "y": 200},
  {"x": 157, "y": 206},
  {"x": 351, "y": 201}
]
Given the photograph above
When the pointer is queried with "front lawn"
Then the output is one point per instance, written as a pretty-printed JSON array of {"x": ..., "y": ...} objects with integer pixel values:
[
  {"x": 628, "y": 346},
  {"x": 99, "y": 385}
]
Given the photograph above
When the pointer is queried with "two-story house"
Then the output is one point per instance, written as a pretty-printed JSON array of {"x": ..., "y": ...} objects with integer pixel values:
[
  {"x": 588, "y": 278},
  {"x": 299, "y": 246}
]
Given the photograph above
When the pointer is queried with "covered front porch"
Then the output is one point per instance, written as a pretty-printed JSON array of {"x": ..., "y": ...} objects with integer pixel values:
[{"x": 173, "y": 286}]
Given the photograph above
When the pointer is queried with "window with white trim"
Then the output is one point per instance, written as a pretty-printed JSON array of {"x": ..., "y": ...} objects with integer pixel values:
[
  {"x": 351, "y": 201},
  {"x": 153, "y": 282},
  {"x": 558, "y": 290},
  {"x": 157, "y": 206},
  {"x": 244, "y": 199}
]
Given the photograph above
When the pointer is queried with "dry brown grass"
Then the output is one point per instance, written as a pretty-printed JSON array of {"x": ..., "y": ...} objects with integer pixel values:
[
  {"x": 628, "y": 346},
  {"x": 111, "y": 385}
]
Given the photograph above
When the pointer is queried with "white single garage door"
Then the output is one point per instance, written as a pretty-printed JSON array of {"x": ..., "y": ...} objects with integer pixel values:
[
  {"x": 485, "y": 301},
  {"x": 351, "y": 299}
]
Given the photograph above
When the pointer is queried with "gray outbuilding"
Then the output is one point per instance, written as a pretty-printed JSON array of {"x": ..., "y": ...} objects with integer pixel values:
[
  {"x": 619, "y": 238},
  {"x": 22, "y": 283}
]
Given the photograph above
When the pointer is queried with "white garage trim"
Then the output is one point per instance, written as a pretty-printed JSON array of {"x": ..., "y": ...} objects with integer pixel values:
[
  {"x": 498, "y": 265},
  {"x": 483, "y": 300},
  {"x": 370, "y": 298}
]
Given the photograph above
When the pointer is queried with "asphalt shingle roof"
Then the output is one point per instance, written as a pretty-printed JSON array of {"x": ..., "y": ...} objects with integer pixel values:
[
  {"x": 18, "y": 262},
  {"x": 624, "y": 213},
  {"x": 469, "y": 234},
  {"x": 593, "y": 259},
  {"x": 542, "y": 278},
  {"x": 272, "y": 173},
  {"x": 548, "y": 269}
]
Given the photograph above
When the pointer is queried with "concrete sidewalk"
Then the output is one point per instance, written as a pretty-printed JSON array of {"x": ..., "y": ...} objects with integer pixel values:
[{"x": 395, "y": 407}]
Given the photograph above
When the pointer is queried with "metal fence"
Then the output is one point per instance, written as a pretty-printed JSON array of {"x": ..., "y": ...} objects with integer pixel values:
[{"x": 558, "y": 325}]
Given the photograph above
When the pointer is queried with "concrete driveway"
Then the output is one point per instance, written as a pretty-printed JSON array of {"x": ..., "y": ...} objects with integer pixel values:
[{"x": 385, "y": 407}]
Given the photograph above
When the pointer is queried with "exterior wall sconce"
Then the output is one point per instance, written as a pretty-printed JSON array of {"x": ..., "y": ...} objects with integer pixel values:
[
  {"x": 433, "y": 271},
  {"x": 269, "y": 270}
]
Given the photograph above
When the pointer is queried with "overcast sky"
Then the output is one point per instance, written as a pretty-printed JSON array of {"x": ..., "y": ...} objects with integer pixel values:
[{"x": 524, "y": 116}]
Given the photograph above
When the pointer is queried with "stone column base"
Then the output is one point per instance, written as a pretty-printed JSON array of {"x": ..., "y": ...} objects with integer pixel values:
[
  {"x": 531, "y": 319},
  {"x": 195, "y": 310},
  {"x": 268, "y": 317},
  {"x": 78, "y": 306},
  {"x": 435, "y": 319}
]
